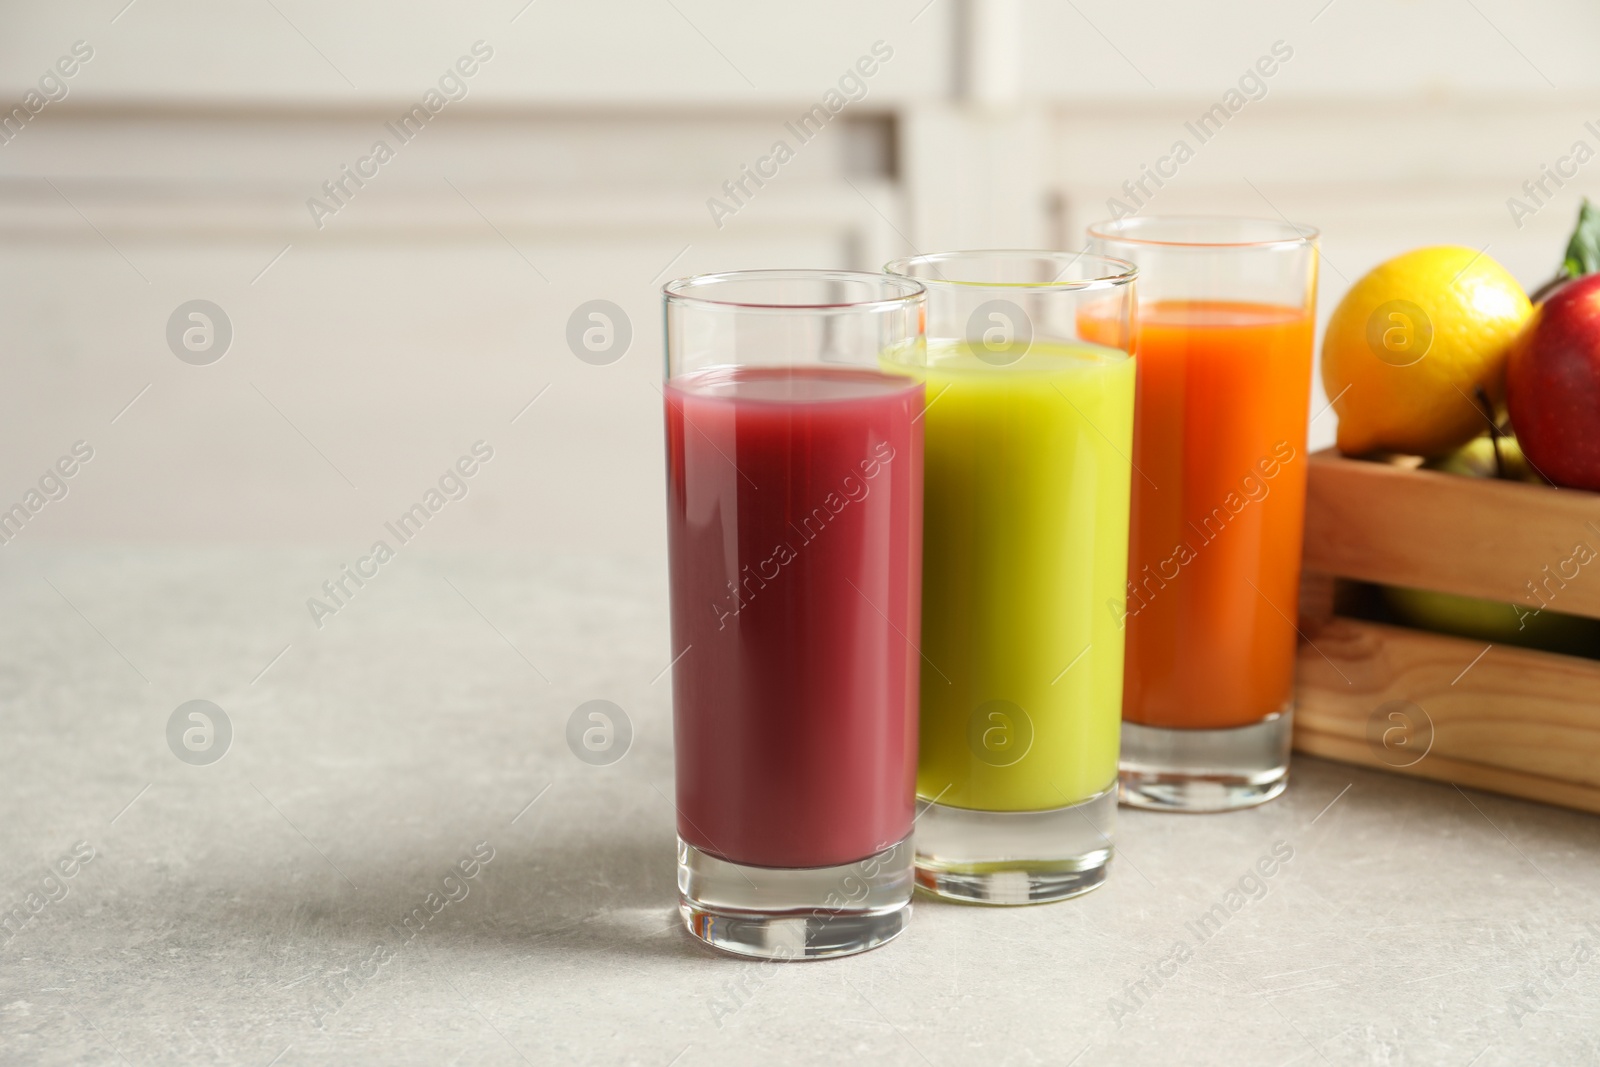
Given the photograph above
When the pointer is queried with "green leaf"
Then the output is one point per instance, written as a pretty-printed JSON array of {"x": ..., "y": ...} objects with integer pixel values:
[{"x": 1583, "y": 250}]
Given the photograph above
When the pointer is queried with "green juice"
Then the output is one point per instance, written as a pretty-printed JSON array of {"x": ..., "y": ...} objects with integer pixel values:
[{"x": 1025, "y": 552}]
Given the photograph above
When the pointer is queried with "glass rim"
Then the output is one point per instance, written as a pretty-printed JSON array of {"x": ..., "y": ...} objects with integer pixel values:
[
  {"x": 679, "y": 290},
  {"x": 1294, "y": 233},
  {"x": 1125, "y": 273}
]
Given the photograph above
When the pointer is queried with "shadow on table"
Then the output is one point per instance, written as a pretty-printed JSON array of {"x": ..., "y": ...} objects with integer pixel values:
[{"x": 552, "y": 893}]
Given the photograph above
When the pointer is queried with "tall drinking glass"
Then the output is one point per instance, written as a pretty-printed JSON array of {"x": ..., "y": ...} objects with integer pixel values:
[
  {"x": 1029, "y": 431},
  {"x": 794, "y": 528},
  {"x": 1224, "y": 341}
]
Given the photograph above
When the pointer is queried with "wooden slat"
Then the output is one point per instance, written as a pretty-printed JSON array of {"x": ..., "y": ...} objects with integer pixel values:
[
  {"x": 1473, "y": 536},
  {"x": 1517, "y": 722},
  {"x": 1317, "y": 593}
]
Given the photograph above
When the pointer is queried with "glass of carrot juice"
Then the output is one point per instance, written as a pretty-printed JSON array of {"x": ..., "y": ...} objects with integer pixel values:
[{"x": 1224, "y": 342}]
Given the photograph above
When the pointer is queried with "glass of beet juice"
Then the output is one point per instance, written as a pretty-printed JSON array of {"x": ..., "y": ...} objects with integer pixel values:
[{"x": 794, "y": 529}]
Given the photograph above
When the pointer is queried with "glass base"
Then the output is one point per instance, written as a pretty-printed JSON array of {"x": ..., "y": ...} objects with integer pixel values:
[
  {"x": 805, "y": 914},
  {"x": 1168, "y": 769},
  {"x": 1015, "y": 857}
]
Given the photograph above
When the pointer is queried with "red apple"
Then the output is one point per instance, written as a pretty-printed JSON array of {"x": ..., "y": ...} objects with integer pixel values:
[{"x": 1553, "y": 385}]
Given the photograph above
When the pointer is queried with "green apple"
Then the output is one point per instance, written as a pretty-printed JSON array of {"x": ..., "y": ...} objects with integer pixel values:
[
  {"x": 1492, "y": 620},
  {"x": 1476, "y": 459}
]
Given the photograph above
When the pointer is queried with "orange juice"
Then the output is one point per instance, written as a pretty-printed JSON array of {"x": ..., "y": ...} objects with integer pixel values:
[{"x": 1218, "y": 512}]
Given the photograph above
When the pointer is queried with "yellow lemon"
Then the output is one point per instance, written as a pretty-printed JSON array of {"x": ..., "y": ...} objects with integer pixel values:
[{"x": 1410, "y": 345}]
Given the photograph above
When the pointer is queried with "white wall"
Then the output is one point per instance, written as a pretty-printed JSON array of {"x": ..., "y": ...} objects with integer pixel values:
[{"x": 425, "y": 314}]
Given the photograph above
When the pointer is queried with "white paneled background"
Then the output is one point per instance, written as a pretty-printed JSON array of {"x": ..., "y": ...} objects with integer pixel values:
[{"x": 431, "y": 309}]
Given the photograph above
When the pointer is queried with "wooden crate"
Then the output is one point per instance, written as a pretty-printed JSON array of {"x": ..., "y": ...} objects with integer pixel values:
[{"x": 1494, "y": 717}]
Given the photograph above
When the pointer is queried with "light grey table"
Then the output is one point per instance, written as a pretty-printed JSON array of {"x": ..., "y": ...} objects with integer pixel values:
[{"x": 254, "y": 910}]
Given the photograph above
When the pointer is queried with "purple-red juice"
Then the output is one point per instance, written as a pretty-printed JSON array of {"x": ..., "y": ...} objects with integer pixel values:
[{"x": 794, "y": 526}]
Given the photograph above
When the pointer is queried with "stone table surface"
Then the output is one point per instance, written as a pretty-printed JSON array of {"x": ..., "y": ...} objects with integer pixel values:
[{"x": 254, "y": 910}]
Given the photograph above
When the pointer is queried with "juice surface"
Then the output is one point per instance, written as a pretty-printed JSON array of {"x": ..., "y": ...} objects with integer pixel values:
[
  {"x": 794, "y": 509},
  {"x": 1025, "y": 544},
  {"x": 1218, "y": 512}
]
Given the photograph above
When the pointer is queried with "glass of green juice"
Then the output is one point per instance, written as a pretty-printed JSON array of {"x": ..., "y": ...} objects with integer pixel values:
[{"x": 1028, "y": 434}]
